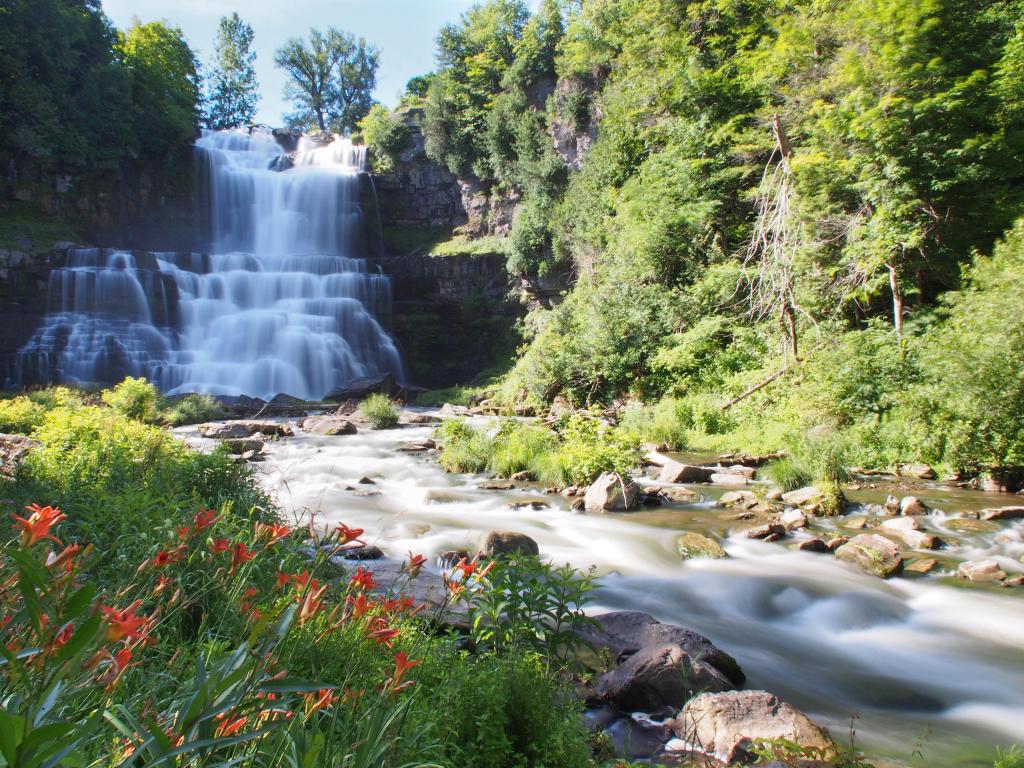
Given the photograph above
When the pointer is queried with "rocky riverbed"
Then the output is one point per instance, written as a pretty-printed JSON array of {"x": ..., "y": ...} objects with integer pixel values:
[{"x": 927, "y": 659}]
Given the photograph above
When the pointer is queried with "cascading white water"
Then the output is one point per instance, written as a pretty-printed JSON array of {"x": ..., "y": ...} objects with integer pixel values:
[{"x": 280, "y": 305}]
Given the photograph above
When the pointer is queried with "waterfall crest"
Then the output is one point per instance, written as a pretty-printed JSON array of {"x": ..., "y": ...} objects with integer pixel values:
[{"x": 281, "y": 304}]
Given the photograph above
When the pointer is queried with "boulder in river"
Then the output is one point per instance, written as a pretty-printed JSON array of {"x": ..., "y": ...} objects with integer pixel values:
[
  {"x": 623, "y": 633},
  {"x": 692, "y": 545},
  {"x": 981, "y": 570},
  {"x": 658, "y": 676},
  {"x": 892, "y": 505},
  {"x": 920, "y": 471},
  {"x": 417, "y": 446},
  {"x": 908, "y": 530},
  {"x": 678, "y": 494},
  {"x": 921, "y": 565},
  {"x": 812, "y": 545},
  {"x": 676, "y": 472},
  {"x": 414, "y": 417},
  {"x": 873, "y": 554},
  {"x": 816, "y": 501},
  {"x": 1002, "y": 513},
  {"x": 508, "y": 543},
  {"x": 727, "y": 725},
  {"x": 911, "y": 505},
  {"x": 611, "y": 493},
  {"x": 739, "y": 499},
  {"x": 329, "y": 425},
  {"x": 728, "y": 479},
  {"x": 767, "y": 532},
  {"x": 244, "y": 428}
]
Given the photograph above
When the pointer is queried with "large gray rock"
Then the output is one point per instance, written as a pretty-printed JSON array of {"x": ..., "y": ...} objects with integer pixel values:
[
  {"x": 611, "y": 493},
  {"x": 873, "y": 554},
  {"x": 911, "y": 505},
  {"x": 624, "y": 633},
  {"x": 508, "y": 543},
  {"x": 329, "y": 425},
  {"x": 726, "y": 725},
  {"x": 675, "y": 472},
  {"x": 244, "y": 428},
  {"x": 659, "y": 676}
]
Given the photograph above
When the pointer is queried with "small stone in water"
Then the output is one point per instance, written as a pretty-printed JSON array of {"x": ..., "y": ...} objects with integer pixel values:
[
  {"x": 981, "y": 571},
  {"x": 812, "y": 545},
  {"x": 924, "y": 565}
]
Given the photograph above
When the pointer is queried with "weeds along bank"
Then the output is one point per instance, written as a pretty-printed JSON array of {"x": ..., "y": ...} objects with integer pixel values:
[{"x": 156, "y": 609}]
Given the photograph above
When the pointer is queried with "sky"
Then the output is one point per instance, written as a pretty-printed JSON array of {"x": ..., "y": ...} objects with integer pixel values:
[{"x": 404, "y": 30}]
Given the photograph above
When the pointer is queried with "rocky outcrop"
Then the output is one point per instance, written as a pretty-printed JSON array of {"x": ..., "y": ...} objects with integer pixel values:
[
  {"x": 329, "y": 425},
  {"x": 726, "y": 725},
  {"x": 659, "y": 676}
]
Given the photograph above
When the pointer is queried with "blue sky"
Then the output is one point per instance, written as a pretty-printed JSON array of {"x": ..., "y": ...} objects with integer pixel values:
[{"x": 404, "y": 30}]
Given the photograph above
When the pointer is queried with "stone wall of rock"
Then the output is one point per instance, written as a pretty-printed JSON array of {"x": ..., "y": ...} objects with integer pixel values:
[{"x": 24, "y": 278}]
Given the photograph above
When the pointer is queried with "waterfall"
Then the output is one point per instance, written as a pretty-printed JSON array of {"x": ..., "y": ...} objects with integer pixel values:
[{"x": 281, "y": 304}]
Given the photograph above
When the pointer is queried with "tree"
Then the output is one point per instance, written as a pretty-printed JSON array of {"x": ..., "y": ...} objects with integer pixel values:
[
  {"x": 232, "y": 96},
  {"x": 165, "y": 86},
  {"x": 331, "y": 79}
]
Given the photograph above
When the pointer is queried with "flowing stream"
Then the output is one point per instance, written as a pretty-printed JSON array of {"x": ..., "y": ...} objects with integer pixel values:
[
  {"x": 921, "y": 663},
  {"x": 281, "y": 304}
]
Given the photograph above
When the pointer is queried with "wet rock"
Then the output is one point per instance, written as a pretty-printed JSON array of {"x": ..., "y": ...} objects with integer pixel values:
[
  {"x": 364, "y": 480},
  {"x": 727, "y": 725},
  {"x": 452, "y": 557},
  {"x": 1002, "y": 513},
  {"x": 496, "y": 485},
  {"x": 650, "y": 497},
  {"x": 438, "y": 496},
  {"x": 767, "y": 532},
  {"x": 675, "y": 472},
  {"x": 579, "y": 505},
  {"x": 536, "y": 504},
  {"x": 231, "y": 431},
  {"x": 920, "y": 471},
  {"x": 794, "y": 519},
  {"x": 658, "y": 676},
  {"x": 730, "y": 480},
  {"x": 981, "y": 571},
  {"x": 812, "y": 545},
  {"x": 691, "y": 545},
  {"x": 522, "y": 477},
  {"x": 911, "y": 505},
  {"x": 454, "y": 410},
  {"x": 359, "y": 552},
  {"x": 1014, "y": 581},
  {"x": 856, "y": 522},
  {"x": 611, "y": 493},
  {"x": 748, "y": 460},
  {"x": 678, "y": 494},
  {"x": 737, "y": 469},
  {"x": 775, "y": 494},
  {"x": 922, "y": 565},
  {"x": 738, "y": 499},
  {"x": 635, "y": 740},
  {"x": 243, "y": 444},
  {"x": 626, "y": 632},
  {"x": 417, "y": 446},
  {"x": 508, "y": 543},
  {"x": 892, "y": 504},
  {"x": 815, "y": 501},
  {"x": 837, "y": 542},
  {"x": 328, "y": 425},
  {"x": 367, "y": 492},
  {"x": 967, "y": 525},
  {"x": 412, "y": 417},
  {"x": 572, "y": 491},
  {"x": 873, "y": 554},
  {"x": 908, "y": 530}
]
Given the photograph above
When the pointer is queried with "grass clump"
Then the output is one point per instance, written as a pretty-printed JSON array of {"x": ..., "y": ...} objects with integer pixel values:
[
  {"x": 191, "y": 409},
  {"x": 1011, "y": 758},
  {"x": 465, "y": 449},
  {"x": 379, "y": 411},
  {"x": 788, "y": 474},
  {"x": 667, "y": 423}
]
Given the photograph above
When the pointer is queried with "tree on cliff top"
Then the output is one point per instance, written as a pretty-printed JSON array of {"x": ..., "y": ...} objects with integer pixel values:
[
  {"x": 232, "y": 96},
  {"x": 331, "y": 79}
]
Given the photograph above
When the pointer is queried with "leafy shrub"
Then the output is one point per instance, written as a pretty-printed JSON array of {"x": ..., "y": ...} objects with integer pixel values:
[
  {"x": 386, "y": 136},
  {"x": 588, "y": 448},
  {"x": 465, "y": 449},
  {"x": 518, "y": 447},
  {"x": 666, "y": 423},
  {"x": 134, "y": 398},
  {"x": 379, "y": 411},
  {"x": 20, "y": 415},
  {"x": 191, "y": 409}
]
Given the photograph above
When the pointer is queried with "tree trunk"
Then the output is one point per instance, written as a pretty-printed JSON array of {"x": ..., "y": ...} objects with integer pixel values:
[{"x": 897, "y": 302}]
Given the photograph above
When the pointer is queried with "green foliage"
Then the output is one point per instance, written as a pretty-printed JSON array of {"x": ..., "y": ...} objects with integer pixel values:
[
  {"x": 190, "y": 409},
  {"x": 788, "y": 474},
  {"x": 134, "y": 398},
  {"x": 232, "y": 90},
  {"x": 503, "y": 711},
  {"x": 165, "y": 86},
  {"x": 519, "y": 447},
  {"x": 379, "y": 411},
  {"x": 386, "y": 136},
  {"x": 1011, "y": 758},
  {"x": 20, "y": 415},
  {"x": 588, "y": 448},
  {"x": 666, "y": 423},
  {"x": 331, "y": 79},
  {"x": 464, "y": 449}
]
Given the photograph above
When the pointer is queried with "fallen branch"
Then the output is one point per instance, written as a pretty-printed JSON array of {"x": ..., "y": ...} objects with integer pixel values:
[{"x": 755, "y": 388}]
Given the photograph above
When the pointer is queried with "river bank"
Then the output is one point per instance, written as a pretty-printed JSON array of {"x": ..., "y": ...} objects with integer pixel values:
[{"x": 920, "y": 663}]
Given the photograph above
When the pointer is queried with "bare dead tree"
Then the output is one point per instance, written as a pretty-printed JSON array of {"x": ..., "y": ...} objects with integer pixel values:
[{"x": 771, "y": 253}]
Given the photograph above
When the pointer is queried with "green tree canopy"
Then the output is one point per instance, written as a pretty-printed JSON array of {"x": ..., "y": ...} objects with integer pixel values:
[
  {"x": 232, "y": 95},
  {"x": 331, "y": 79}
]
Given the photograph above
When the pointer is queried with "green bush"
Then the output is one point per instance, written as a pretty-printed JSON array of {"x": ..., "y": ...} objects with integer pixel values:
[
  {"x": 666, "y": 423},
  {"x": 386, "y": 136},
  {"x": 788, "y": 474},
  {"x": 20, "y": 415},
  {"x": 191, "y": 409},
  {"x": 518, "y": 447},
  {"x": 1011, "y": 758},
  {"x": 134, "y": 398},
  {"x": 464, "y": 449},
  {"x": 588, "y": 448},
  {"x": 379, "y": 411}
]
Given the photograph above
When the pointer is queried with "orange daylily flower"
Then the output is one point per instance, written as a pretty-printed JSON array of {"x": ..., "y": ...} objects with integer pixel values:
[
  {"x": 229, "y": 727},
  {"x": 360, "y": 605},
  {"x": 240, "y": 554},
  {"x": 282, "y": 580},
  {"x": 402, "y": 665},
  {"x": 311, "y": 604},
  {"x": 165, "y": 557},
  {"x": 415, "y": 564},
  {"x": 163, "y": 583},
  {"x": 384, "y": 634},
  {"x": 347, "y": 535},
  {"x": 363, "y": 579},
  {"x": 124, "y": 624},
  {"x": 204, "y": 519},
  {"x": 37, "y": 525},
  {"x": 272, "y": 532},
  {"x": 322, "y": 699},
  {"x": 219, "y": 545},
  {"x": 65, "y": 557}
]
